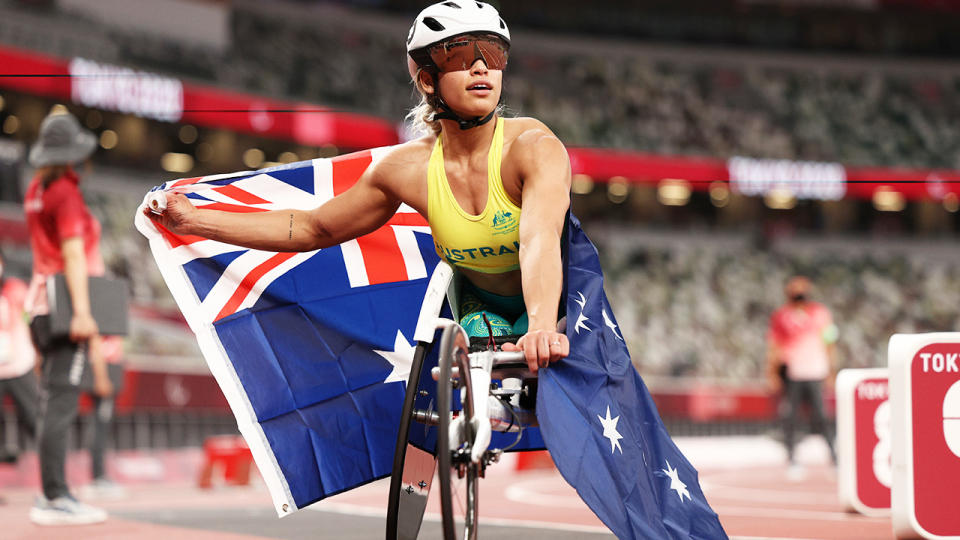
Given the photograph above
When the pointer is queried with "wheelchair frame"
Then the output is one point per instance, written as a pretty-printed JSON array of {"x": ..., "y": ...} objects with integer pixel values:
[{"x": 464, "y": 431}]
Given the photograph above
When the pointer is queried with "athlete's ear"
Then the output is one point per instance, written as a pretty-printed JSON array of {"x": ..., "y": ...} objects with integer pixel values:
[{"x": 426, "y": 81}]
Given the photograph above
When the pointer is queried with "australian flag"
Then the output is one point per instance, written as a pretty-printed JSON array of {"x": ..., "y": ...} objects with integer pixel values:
[
  {"x": 602, "y": 428},
  {"x": 313, "y": 351}
]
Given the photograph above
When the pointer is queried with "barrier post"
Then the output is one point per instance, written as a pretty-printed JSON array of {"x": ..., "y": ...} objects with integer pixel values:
[
  {"x": 864, "y": 474},
  {"x": 925, "y": 406}
]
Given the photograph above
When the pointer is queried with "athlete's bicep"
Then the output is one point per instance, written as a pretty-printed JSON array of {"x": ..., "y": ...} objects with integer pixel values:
[
  {"x": 546, "y": 186},
  {"x": 359, "y": 210}
]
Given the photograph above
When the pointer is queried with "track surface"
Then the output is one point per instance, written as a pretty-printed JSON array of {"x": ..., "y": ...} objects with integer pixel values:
[{"x": 745, "y": 480}]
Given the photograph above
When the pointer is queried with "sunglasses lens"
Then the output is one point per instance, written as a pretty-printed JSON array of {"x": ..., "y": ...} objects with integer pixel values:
[
  {"x": 494, "y": 54},
  {"x": 461, "y": 53}
]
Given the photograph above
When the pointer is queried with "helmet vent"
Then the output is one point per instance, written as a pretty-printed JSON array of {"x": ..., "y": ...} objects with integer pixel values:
[
  {"x": 503, "y": 25},
  {"x": 433, "y": 24},
  {"x": 479, "y": 5},
  {"x": 452, "y": 4}
]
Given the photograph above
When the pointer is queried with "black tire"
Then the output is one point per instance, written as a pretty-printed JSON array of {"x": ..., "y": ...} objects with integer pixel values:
[
  {"x": 404, "y": 519},
  {"x": 458, "y": 475}
]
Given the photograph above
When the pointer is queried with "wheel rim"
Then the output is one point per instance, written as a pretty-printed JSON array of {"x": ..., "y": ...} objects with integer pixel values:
[
  {"x": 463, "y": 492},
  {"x": 457, "y": 474},
  {"x": 412, "y": 466}
]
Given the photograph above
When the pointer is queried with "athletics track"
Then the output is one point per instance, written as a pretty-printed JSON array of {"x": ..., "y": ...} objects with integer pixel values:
[{"x": 745, "y": 480}]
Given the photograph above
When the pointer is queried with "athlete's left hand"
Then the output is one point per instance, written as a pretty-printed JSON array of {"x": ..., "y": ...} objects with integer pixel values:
[{"x": 541, "y": 348}]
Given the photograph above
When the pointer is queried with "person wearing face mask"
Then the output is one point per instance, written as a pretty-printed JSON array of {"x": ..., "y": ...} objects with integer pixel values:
[
  {"x": 801, "y": 338},
  {"x": 494, "y": 190},
  {"x": 17, "y": 357}
]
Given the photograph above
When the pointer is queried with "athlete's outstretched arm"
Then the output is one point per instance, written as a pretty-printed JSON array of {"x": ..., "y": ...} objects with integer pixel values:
[
  {"x": 545, "y": 167},
  {"x": 359, "y": 210}
]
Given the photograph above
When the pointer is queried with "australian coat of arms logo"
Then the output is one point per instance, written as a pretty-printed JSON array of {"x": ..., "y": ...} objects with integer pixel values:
[{"x": 504, "y": 222}]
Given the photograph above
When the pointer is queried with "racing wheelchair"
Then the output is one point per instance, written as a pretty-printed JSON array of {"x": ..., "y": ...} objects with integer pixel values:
[{"x": 450, "y": 413}]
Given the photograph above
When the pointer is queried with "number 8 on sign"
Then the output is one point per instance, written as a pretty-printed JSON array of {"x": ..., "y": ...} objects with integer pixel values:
[
  {"x": 881, "y": 452},
  {"x": 951, "y": 418},
  {"x": 864, "y": 440}
]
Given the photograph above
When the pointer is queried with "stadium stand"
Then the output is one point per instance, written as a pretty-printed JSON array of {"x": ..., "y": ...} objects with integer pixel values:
[
  {"x": 698, "y": 306},
  {"x": 608, "y": 93},
  {"x": 863, "y": 27}
]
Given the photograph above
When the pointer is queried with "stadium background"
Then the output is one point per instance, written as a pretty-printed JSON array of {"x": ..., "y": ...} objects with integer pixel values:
[{"x": 719, "y": 146}]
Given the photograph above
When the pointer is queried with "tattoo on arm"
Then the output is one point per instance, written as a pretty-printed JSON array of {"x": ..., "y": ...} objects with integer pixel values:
[{"x": 290, "y": 234}]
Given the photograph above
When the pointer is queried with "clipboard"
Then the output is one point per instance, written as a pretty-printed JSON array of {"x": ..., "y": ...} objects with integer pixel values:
[{"x": 108, "y": 303}]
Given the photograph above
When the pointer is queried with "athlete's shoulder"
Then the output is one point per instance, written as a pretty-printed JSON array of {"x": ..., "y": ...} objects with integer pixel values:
[
  {"x": 410, "y": 152},
  {"x": 408, "y": 157},
  {"x": 532, "y": 142},
  {"x": 531, "y": 134},
  {"x": 524, "y": 125}
]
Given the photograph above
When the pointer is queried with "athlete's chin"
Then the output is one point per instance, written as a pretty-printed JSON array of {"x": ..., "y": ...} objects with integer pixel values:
[
  {"x": 470, "y": 105},
  {"x": 478, "y": 109}
]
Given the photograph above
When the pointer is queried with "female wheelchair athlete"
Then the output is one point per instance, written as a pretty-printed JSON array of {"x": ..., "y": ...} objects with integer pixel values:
[{"x": 497, "y": 394}]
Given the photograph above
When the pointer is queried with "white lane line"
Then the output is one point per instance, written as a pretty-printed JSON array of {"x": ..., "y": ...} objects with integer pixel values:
[
  {"x": 768, "y": 538},
  {"x": 347, "y": 508},
  {"x": 527, "y": 493},
  {"x": 784, "y": 513},
  {"x": 715, "y": 490}
]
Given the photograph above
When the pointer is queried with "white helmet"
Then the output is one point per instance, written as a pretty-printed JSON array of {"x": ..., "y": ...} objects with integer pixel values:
[{"x": 453, "y": 18}]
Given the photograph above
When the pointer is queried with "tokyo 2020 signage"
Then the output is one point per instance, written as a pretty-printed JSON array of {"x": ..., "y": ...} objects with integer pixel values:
[{"x": 925, "y": 407}]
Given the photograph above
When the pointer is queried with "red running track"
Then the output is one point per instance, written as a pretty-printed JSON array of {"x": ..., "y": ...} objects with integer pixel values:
[{"x": 755, "y": 500}]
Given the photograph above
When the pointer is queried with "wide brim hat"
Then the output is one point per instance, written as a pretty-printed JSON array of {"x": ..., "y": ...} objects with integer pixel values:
[{"x": 62, "y": 141}]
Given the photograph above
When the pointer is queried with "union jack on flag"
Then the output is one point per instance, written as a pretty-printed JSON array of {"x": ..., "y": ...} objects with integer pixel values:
[{"x": 305, "y": 346}]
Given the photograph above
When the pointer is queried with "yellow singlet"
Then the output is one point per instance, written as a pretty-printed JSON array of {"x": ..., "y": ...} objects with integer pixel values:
[{"x": 488, "y": 242}]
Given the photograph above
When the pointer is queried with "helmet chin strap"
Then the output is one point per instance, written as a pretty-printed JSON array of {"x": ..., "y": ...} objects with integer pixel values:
[{"x": 444, "y": 112}]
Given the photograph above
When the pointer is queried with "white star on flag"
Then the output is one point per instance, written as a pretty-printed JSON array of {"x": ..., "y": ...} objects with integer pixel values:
[
  {"x": 400, "y": 358},
  {"x": 607, "y": 321},
  {"x": 610, "y": 431},
  {"x": 675, "y": 483},
  {"x": 581, "y": 318}
]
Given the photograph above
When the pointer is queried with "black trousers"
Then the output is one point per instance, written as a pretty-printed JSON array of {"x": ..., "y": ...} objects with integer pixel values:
[
  {"x": 103, "y": 409},
  {"x": 810, "y": 392},
  {"x": 64, "y": 364}
]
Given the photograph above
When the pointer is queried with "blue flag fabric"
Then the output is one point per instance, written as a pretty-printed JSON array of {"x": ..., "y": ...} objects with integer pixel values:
[{"x": 602, "y": 428}]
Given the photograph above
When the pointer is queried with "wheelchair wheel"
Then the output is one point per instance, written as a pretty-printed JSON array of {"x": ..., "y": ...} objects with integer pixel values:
[
  {"x": 413, "y": 468},
  {"x": 458, "y": 475}
]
